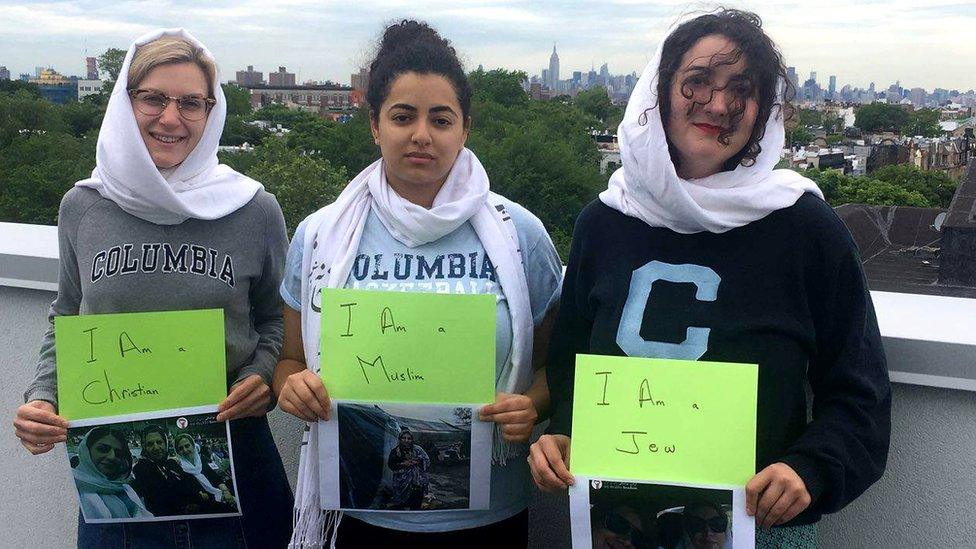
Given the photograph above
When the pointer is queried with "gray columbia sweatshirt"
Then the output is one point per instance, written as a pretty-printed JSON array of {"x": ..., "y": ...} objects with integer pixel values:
[{"x": 113, "y": 262}]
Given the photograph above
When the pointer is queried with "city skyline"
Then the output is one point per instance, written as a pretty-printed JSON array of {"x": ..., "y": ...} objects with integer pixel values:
[{"x": 857, "y": 44}]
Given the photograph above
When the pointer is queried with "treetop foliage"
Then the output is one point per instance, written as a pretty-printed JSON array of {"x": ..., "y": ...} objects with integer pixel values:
[
  {"x": 110, "y": 63},
  {"x": 537, "y": 153}
]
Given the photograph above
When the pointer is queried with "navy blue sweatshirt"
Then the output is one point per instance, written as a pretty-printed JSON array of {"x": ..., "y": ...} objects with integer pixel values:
[{"x": 785, "y": 292}]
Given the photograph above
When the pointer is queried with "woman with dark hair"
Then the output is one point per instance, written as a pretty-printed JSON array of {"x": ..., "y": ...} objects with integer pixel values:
[
  {"x": 103, "y": 474},
  {"x": 422, "y": 218},
  {"x": 705, "y": 525},
  {"x": 700, "y": 249},
  {"x": 191, "y": 460},
  {"x": 409, "y": 463}
]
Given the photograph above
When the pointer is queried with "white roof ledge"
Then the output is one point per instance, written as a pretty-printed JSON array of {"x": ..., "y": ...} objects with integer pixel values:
[{"x": 929, "y": 340}]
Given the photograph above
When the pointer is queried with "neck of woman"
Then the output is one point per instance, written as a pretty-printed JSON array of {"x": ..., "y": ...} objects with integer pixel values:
[{"x": 689, "y": 169}]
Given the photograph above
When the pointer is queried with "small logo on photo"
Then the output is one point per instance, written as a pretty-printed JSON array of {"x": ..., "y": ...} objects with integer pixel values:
[
  {"x": 182, "y": 423},
  {"x": 597, "y": 484}
]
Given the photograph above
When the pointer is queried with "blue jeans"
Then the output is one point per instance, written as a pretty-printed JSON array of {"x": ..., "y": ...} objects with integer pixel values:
[{"x": 265, "y": 497}]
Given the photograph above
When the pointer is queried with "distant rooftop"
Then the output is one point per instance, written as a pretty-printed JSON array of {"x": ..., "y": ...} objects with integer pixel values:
[
  {"x": 902, "y": 248},
  {"x": 321, "y": 87}
]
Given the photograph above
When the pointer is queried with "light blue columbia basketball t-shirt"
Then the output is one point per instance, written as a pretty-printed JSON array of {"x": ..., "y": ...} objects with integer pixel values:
[{"x": 454, "y": 264}]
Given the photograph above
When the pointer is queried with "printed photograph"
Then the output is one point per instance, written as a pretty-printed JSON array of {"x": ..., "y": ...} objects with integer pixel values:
[
  {"x": 633, "y": 515},
  {"x": 404, "y": 457},
  {"x": 157, "y": 469}
]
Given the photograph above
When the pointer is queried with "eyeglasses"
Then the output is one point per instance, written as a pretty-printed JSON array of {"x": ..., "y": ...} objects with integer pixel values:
[
  {"x": 153, "y": 103},
  {"x": 696, "y": 525}
]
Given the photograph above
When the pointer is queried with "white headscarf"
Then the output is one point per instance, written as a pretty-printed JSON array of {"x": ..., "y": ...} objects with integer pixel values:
[
  {"x": 194, "y": 466},
  {"x": 648, "y": 188},
  {"x": 332, "y": 237},
  {"x": 124, "y": 173},
  {"x": 101, "y": 497}
]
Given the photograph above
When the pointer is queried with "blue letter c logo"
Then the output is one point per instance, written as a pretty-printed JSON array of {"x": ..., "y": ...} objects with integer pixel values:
[{"x": 641, "y": 282}]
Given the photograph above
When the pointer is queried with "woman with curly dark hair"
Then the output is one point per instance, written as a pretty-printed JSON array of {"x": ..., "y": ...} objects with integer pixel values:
[{"x": 700, "y": 249}]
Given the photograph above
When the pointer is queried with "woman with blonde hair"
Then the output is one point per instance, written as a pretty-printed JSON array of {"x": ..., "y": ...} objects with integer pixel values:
[{"x": 162, "y": 226}]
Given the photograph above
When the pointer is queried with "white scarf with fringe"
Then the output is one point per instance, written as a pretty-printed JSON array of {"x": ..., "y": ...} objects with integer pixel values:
[{"x": 332, "y": 237}]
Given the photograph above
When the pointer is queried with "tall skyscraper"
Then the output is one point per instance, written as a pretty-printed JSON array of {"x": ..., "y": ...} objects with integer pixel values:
[
  {"x": 553, "y": 69},
  {"x": 604, "y": 75},
  {"x": 4, "y": 73},
  {"x": 813, "y": 76},
  {"x": 832, "y": 88},
  {"x": 91, "y": 68},
  {"x": 794, "y": 78}
]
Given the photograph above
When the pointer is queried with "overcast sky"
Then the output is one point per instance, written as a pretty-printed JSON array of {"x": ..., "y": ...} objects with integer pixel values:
[{"x": 923, "y": 43}]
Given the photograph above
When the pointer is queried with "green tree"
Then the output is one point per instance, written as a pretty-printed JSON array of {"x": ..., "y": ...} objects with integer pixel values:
[
  {"x": 301, "y": 183},
  {"x": 110, "y": 62},
  {"x": 280, "y": 114},
  {"x": 881, "y": 117},
  {"x": 923, "y": 122},
  {"x": 499, "y": 86},
  {"x": 238, "y": 99},
  {"x": 11, "y": 86},
  {"x": 937, "y": 187},
  {"x": 809, "y": 117},
  {"x": 238, "y": 131},
  {"x": 37, "y": 171},
  {"x": 23, "y": 114},
  {"x": 542, "y": 156},
  {"x": 82, "y": 117},
  {"x": 844, "y": 189},
  {"x": 595, "y": 102},
  {"x": 348, "y": 144},
  {"x": 833, "y": 123},
  {"x": 615, "y": 117},
  {"x": 800, "y": 137}
]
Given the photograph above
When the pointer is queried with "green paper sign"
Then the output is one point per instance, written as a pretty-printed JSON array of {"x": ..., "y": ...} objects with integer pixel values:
[
  {"x": 408, "y": 346},
  {"x": 114, "y": 364},
  {"x": 664, "y": 420}
]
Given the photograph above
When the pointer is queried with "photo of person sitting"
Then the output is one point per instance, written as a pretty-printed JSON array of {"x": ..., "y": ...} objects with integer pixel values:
[
  {"x": 161, "y": 482},
  {"x": 189, "y": 455},
  {"x": 410, "y": 464},
  {"x": 102, "y": 475}
]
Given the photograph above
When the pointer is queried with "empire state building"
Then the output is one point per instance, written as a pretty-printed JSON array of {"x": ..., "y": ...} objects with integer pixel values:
[{"x": 553, "y": 69}]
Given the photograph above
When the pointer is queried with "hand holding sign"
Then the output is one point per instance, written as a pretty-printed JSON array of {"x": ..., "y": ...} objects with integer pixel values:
[
  {"x": 303, "y": 395},
  {"x": 39, "y": 427},
  {"x": 776, "y": 495},
  {"x": 549, "y": 463},
  {"x": 516, "y": 414},
  {"x": 248, "y": 397}
]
